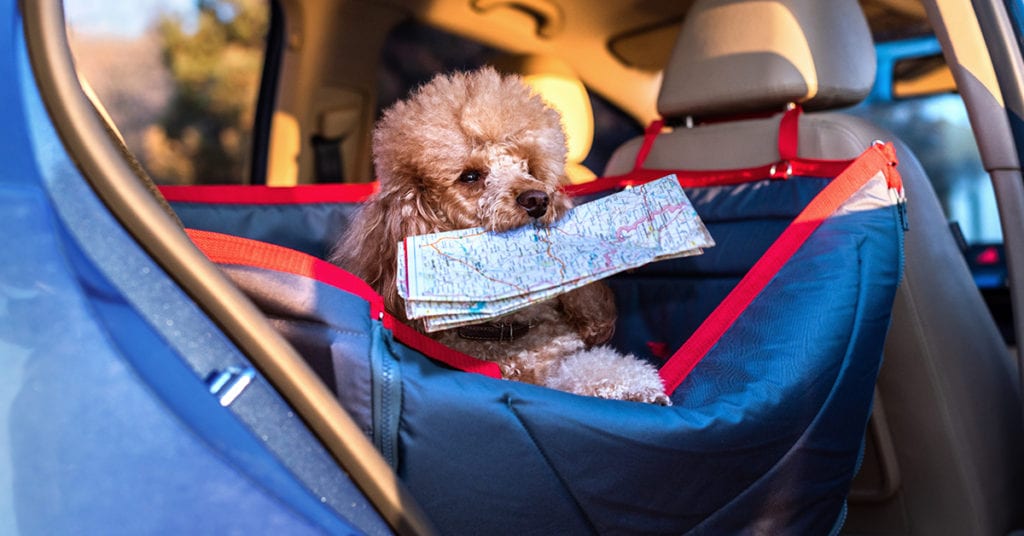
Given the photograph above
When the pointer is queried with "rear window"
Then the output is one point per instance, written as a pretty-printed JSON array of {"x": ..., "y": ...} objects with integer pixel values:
[
  {"x": 179, "y": 79},
  {"x": 917, "y": 103}
]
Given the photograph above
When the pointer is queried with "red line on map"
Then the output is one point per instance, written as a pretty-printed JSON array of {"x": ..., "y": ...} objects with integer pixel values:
[
  {"x": 433, "y": 245},
  {"x": 632, "y": 227}
]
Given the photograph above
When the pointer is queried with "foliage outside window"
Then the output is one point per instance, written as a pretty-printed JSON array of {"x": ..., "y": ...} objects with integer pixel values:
[
  {"x": 179, "y": 78},
  {"x": 937, "y": 129}
]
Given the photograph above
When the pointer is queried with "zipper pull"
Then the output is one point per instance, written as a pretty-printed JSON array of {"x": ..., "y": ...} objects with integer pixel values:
[{"x": 900, "y": 198}]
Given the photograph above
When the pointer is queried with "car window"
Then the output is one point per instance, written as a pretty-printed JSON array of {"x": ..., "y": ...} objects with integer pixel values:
[
  {"x": 936, "y": 128},
  {"x": 179, "y": 79}
]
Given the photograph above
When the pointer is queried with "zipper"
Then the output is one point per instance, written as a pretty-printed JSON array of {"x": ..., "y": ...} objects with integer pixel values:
[
  {"x": 899, "y": 199},
  {"x": 386, "y": 394}
]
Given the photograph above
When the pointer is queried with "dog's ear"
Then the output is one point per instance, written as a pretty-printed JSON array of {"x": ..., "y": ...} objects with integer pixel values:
[
  {"x": 370, "y": 244},
  {"x": 590, "y": 310}
]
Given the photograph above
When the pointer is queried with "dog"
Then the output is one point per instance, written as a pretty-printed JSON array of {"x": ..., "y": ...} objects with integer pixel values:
[{"x": 479, "y": 149}]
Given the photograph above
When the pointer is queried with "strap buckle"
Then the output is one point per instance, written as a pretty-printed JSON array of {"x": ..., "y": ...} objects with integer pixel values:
[{"x": 786, "y": 168}]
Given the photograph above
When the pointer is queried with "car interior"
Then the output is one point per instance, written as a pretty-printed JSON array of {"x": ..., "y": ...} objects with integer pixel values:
[
  {"x": 943, "y": 447},
  {"x": 897, "y": 474}
]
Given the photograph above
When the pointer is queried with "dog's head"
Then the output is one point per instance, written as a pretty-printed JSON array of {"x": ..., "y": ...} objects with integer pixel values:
[
  {"x": 474, "y": 149},
  {"x": 465, "y": 150}
]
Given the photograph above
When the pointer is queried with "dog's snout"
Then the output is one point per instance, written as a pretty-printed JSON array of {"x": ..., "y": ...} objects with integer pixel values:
[{"x": 534, "y": 202}]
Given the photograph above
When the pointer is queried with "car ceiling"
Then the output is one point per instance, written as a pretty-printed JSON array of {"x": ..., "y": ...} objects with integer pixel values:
[
  {"x": 617, "y": 48},
  {"x": 631, "y": 28}
]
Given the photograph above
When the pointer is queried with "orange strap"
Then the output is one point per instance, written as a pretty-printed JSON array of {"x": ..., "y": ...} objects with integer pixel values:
[
  {"x": 878, "y": 158},
  {"x": 234, "y": 250}
]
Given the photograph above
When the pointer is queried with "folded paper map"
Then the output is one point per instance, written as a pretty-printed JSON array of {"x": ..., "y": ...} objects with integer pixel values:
[{"x": 469, "y": 276}]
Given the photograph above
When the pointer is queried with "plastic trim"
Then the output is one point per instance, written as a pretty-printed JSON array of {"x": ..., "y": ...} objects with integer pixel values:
[
  {"x": 273, "y": 53},
  {"x": 1007, "y": 183}
]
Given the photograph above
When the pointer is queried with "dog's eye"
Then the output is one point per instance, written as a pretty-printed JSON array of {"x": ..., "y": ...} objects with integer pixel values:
[{"x": 470, "y": 175}]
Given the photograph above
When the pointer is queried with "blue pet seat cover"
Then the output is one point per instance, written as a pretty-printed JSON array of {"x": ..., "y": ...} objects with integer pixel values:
[{"x": 769, "y": 344}]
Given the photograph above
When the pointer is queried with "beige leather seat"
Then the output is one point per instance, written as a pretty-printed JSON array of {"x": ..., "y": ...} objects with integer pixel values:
[{"x": 945, "y": 450}]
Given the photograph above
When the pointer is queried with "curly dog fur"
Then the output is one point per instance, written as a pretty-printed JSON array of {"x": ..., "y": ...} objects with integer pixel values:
[{"x": 479, "y": 149}]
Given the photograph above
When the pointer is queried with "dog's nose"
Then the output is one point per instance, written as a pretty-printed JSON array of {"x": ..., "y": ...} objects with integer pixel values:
[{"x": 534, "y": 202}]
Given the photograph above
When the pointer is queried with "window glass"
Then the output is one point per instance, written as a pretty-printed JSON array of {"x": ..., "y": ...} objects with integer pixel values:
[
  {"x": 179, "y": 79},
  {"x": 937, "y": 130}
]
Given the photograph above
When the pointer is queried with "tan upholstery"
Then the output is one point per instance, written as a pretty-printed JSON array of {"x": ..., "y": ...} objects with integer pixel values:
[
  {"x": 953, "y": 427},
  {"x": 736, "y": 56},
  {"x": 559, "y": 86}
]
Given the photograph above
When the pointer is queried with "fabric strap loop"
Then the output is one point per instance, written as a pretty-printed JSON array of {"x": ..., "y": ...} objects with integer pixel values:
[
  {"x": 789, "y": 134},
  {"x": 650, "y": 134}
]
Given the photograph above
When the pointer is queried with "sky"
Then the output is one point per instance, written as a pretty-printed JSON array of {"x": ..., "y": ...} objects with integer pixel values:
[{"x": 120, "y": 18}]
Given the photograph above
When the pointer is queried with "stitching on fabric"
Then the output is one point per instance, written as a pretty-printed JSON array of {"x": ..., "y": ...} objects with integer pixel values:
[{"x": 860, "y": 300}]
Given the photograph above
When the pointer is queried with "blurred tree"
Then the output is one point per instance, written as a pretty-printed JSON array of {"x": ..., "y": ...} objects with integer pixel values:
[{"x": 215, "y": 61}]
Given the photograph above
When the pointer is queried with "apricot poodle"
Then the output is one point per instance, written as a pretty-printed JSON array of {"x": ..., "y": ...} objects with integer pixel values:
[{"x": 479, "y": 149}]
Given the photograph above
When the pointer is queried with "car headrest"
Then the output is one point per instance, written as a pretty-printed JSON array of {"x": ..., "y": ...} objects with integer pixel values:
[{"x": 740, "y": 57}]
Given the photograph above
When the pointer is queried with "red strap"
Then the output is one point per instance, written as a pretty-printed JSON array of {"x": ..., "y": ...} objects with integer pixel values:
[
  {"x": 232, "y": 194},
  {"x": 789, "y": 134},
  {"x": 234, "y": 250},
  {"x": 359, "y": 192},
  {"x": 698, "y": 179},
  {"x": 876, "y": 158},
  {"x": 650, "y": 134},
  {"x": 228, "y": 249},
  {"x": 790, "y": 164}
]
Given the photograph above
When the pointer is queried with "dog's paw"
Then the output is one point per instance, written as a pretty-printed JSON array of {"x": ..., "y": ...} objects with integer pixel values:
[
  {"x": 655, "y": 395},
  {"x": 605, "y": 373}
]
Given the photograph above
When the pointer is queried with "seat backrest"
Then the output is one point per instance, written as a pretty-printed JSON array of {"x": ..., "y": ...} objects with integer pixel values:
[{"x": 943, "y": 452}]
